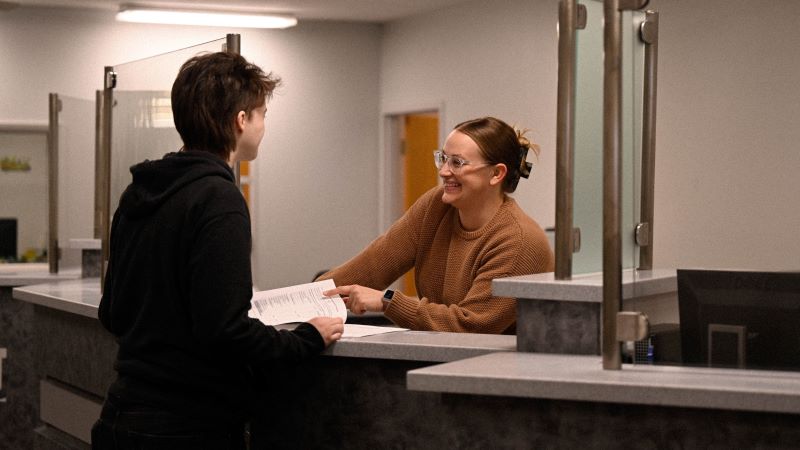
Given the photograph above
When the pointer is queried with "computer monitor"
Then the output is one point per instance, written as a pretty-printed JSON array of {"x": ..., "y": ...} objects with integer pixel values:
[
  {"x": 8, "y": 239},
  {"x": 741, "y": 319}
]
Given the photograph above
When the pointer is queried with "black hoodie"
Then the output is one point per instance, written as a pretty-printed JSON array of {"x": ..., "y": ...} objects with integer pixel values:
[{"x": 178, "y": 289}]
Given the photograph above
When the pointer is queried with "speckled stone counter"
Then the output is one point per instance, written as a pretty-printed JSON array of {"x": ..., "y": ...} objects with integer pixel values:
[
  {"x": 80, "y": 296},
  {"x": 13, "y": 275},
  {"x": 582, "y": 378},
  {"x": 19, "y": 413},
  {"x": 72, "y": 357},
  {"x": 363, "y": 373},
  {"x": 566, "y": 400},
  {"x": 358, "y": 396},
  {"x": 563, "y": 316},
  {"x": 422, "y": 346},
  {"x": 91, "y": 256}
]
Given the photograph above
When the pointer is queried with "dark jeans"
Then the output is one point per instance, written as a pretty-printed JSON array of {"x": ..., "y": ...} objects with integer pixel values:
[{"x": 136, "y": 427}]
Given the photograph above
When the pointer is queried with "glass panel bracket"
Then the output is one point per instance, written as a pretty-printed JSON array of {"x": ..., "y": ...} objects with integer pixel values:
[
  {"x": 641, "y": 234},
  {"x": 632, "y": 326},
  {"x": 111, "y": 80}
]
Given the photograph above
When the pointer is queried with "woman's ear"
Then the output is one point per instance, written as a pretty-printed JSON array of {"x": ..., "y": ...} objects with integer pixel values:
[{"x": 499, "y": 172}]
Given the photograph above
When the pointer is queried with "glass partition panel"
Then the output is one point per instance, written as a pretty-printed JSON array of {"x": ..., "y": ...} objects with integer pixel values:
[
  {"x": 588, "y": 191},
  {"x": 588, "y": 177},
  {"x": 24, "y": 199},
  {"x": 76, "y": 159},
  {"x": 632, "y": 119},
  {"x": 142, "y": 126}
]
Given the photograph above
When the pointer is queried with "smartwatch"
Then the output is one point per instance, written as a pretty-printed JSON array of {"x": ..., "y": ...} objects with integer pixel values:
[{"x": 387, "y": 298}]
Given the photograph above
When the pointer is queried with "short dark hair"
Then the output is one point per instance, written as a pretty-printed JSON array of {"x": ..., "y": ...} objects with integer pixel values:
[
  {"x": 499, "y": 142},
  {"x": 209, "y": 92}
]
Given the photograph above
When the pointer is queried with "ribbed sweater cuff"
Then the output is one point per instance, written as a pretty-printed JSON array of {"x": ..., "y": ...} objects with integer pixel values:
[{"x": 402, "y": 310}]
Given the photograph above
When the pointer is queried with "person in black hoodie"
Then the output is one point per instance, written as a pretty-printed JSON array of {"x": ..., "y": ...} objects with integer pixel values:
[{"x": 179, "y": 283}]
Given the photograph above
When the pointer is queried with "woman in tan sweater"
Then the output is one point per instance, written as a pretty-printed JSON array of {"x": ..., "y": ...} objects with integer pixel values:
[{"x": 457, "y": 237}]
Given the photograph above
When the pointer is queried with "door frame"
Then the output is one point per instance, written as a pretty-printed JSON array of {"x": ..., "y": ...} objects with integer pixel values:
[{"x": 390, "y": 182}]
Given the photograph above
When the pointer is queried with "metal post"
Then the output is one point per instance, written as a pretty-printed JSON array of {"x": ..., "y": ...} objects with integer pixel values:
[
  {"x": 233, "y": 44},
  {"x": 99, "y": 165},
  {"x": 53, "y": 253},
  {"x": 612, "y": 182},
  {"x": 612, "y": 176},
  {"x": 649, "y": 34},
  {"x": 110, "y": 81},
  {"x": 571, "y": 17}
]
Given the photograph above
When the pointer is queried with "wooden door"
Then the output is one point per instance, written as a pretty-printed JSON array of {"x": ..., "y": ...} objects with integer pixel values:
[{"x": 419, "y": 173}]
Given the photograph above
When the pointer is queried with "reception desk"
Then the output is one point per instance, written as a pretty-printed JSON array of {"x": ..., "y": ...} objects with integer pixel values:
[
  {"x": 74, "y": 358},
  {"x": 435, "y": 390},
  {"x": 19, "y": 406}
]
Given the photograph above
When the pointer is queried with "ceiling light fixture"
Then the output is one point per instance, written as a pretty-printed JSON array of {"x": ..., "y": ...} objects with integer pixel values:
[{"x": 138, "y": 14}]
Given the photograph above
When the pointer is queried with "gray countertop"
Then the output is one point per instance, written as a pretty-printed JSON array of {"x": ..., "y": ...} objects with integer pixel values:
[
  {"x": 585, "y": 287},
  {"x": 82, "y": 297},
  {"x": 423, "y": 346},
  {"x": 22, "y": 274},
  {"x": 581, "y": 378},
  {"x": 486, "y": 365}
]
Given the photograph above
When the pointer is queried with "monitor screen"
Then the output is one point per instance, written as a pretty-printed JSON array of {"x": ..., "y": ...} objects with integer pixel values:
[
  {"x": 8, "y": 239},
  {"x": 740, "y": 319}
]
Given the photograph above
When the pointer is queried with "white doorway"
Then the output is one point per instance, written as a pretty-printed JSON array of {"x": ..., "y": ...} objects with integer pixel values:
[{"x": 411, "y": 138}]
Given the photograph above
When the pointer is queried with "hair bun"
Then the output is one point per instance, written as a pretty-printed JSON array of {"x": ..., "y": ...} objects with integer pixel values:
[
  {"x": 523, "y": 141},
  {"x": 524, "y": 166}
]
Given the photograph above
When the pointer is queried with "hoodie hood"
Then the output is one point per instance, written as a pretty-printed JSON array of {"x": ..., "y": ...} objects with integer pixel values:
[{"x": 154, "y": 182}]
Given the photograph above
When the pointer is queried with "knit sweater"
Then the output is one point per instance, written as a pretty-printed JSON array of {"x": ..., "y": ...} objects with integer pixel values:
[{"x": 453, "y": 267}]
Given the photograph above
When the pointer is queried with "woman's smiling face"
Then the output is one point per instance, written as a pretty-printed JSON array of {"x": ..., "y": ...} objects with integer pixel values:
[{"x": 467, "y": 186}]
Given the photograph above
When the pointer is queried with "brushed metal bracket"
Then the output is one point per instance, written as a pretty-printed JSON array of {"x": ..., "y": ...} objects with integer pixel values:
[
  {"x": 580, "y": 24},
  {"x": 648, "y": 30},
  {"x": 632, "y": 326},
  {"x": 641, "y": 234},
  {"x": 576, "y": 240},
  {"x": 111, "y": 80}
]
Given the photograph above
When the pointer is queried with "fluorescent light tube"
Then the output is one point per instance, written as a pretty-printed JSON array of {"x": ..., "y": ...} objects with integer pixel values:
[{"x": 204, "y": 18}]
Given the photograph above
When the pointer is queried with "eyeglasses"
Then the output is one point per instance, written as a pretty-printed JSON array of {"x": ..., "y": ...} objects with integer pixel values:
[{"x": 455, "y": 162}]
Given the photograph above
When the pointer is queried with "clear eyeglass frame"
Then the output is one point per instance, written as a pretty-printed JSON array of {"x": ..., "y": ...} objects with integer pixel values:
[{"x": 456, "y": 163}]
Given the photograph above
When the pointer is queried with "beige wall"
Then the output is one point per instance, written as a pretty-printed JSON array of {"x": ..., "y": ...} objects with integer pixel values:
[
  {"x": 314, "y": 197},
  {"x": 728, "y": 108},
  {"x": 727, "y": 157},
  {"x": 482, "y": 58}
]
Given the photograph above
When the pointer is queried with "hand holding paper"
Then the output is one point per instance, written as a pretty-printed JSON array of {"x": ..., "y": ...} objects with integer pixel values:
[{"x": 303, "y": 302}]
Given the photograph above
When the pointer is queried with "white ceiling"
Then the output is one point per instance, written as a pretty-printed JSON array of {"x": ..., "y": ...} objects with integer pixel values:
[{"x": 347, "y": 10}]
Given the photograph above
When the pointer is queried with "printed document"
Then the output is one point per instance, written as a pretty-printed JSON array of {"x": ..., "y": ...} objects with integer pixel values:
[{"x": 303, "y": 302}]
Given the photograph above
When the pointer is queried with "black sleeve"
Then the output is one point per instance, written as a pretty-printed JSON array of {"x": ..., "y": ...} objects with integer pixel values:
[{"x": 220, "y": 289}]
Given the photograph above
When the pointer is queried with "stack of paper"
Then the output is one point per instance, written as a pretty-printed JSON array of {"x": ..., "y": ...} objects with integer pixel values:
[{"x": 303, "y": 302}]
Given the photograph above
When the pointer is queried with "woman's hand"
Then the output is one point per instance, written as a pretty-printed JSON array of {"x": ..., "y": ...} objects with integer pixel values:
[
  {"x": 359, "y": 299},
  {"x": 330, "y": 328}
]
